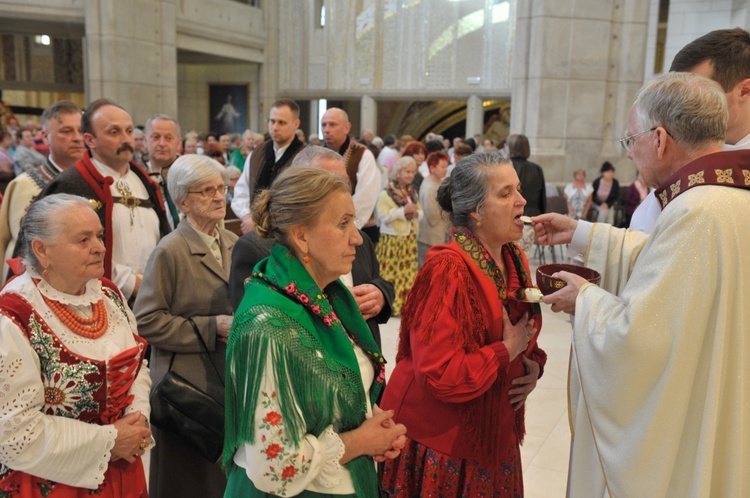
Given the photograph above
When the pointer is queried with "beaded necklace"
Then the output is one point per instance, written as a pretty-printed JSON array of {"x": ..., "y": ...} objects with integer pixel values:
[
  {"x": 91, "y": 328},
  {"x": 468, "y": 242}
]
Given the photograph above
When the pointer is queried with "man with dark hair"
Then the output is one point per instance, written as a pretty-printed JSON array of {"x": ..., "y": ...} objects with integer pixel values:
[
  {"x": 61, "y": 129},
  {"x": 265, "y": 162},
  {"x": 459, "y": 152},
  {"x": 128, "y": 202},
  {"x": 225, "y": 141},
  {"x": 389, "y": 149},
  {"x": 724, "y": 56},
  {"x": 212, "y": 138}
]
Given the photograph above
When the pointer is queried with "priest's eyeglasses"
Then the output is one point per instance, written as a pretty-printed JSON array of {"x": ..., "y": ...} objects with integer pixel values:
[
  {"x": 627, "y": 142},
  {"x": 210, "y": 192}
]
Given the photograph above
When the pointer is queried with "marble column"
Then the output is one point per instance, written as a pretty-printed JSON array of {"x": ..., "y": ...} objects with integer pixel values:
[
  {"x": 269, "y": 69},
  {"x": 577, "y": 66},
  {"x": 368, "y": 115},
  {"x": 314, "y": 124},
  {"x": 131, "y": 55},
  {"x": 474, "y": 116}
]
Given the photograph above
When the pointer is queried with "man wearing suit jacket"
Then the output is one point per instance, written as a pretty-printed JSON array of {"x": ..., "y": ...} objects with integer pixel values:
[{"x": 373, "y": 294}]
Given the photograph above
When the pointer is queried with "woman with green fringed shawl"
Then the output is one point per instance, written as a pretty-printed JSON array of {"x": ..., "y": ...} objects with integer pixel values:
[{"x": 302, "y": 365}]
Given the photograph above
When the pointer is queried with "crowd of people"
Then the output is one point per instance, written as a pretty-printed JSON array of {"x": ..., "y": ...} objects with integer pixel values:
[{"x": 120, "y": 272}]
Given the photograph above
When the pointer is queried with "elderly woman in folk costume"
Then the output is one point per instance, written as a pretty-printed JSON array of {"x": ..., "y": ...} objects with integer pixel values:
[
  {"x": 303, "y": 369},
  {"x": 467, "y": 354},
  {"x": 74, "y": 411},
  {"x": 399, "y": 213}
]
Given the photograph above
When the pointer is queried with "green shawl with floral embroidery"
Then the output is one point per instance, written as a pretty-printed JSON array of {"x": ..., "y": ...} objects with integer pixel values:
[{"x": 306, "y": 333}]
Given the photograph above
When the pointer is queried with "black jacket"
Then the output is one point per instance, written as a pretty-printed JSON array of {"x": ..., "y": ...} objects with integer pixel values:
[
  {"x": 251, "y": 248},
  {"x": 533, "y": 186},
  {"x": 614, "y": 193}
]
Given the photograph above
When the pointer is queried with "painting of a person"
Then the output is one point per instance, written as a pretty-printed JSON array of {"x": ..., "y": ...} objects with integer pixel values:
[{"x": 228, "y": 116}]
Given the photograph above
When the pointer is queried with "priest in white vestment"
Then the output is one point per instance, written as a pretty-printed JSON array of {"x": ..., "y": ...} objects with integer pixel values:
[
  {"x": 660, "y": 368},
  {"x": 724, "y": 56}
]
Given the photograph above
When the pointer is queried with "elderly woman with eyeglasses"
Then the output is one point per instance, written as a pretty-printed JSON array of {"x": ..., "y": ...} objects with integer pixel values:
[{"x": 186, "y": 279}]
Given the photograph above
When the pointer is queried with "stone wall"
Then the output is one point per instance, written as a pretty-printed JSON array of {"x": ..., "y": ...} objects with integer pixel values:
[{"x": 577, "y": 67}]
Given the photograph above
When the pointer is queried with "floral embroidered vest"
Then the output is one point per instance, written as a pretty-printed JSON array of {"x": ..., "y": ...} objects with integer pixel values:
[{"x": 77, "y": 387}]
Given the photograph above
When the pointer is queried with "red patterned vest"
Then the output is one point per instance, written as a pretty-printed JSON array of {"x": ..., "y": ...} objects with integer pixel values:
[{"x": 77, "y": 387}]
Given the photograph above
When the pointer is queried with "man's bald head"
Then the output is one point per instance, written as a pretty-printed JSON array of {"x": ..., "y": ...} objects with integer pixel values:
[{"x": 336, "y": 126}]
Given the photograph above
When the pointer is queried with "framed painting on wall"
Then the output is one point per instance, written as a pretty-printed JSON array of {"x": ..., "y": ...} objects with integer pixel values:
[{"x": 228, "y": 107}]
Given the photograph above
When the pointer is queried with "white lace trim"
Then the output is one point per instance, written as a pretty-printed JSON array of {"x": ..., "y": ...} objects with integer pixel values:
[
  {"x": 106, "y": 455},
  {"x": 92, "y": 294},
  {"x": 332, "y": 450},
  {"x": 82, "y": 305},
  {"x": 15, "y": 433}
]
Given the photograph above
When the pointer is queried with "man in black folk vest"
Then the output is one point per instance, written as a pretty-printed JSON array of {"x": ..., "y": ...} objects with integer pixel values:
[
  {"x": 127, "y": 200},
  {"x": 265, "y": 163},
  {"x": 361, "y": 168}
]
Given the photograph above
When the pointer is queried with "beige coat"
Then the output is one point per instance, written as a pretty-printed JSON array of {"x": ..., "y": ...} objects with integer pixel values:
[{"x": 183, "y": 280}]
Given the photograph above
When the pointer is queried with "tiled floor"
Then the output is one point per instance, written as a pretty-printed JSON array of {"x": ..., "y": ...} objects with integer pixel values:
[{"x": 546, "y": 447}]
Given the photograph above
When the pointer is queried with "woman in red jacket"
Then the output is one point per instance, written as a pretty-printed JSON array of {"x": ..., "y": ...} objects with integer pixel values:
[{"x": 467, "y": 356}]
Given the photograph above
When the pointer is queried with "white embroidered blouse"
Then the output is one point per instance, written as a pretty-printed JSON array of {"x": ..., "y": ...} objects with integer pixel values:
[
  {"x": 53, "y": 447},
  {"x": 276, "y": 466}
]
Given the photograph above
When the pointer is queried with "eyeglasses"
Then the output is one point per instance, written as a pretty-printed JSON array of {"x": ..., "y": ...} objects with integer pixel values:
[
  {"x": 210, "y": 192},
  {"x": 627, "y": 142}
]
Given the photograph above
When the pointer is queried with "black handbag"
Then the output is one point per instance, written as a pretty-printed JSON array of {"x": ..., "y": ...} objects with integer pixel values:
[{"x": 183, "y": 410}]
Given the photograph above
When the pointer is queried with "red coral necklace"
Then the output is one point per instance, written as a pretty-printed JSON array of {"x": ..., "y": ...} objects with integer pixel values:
[{"x": 91, "y": 328}]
